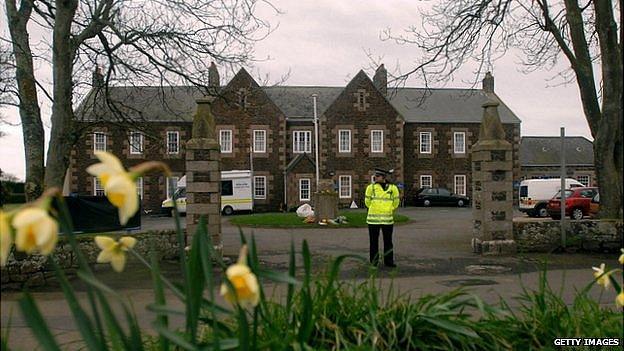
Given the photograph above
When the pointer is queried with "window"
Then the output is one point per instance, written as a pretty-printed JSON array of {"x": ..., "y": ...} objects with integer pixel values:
[
  {"x": 225, "y": 140},
  {"x": 459, "y": 142},
  {"x": 172, "y": 185},
  {"x": 99, "y": 141},
  {"x": 361, "y": 99},
  {"x": 260, "y": 187},
  {"x": 98, "y": 189},
  {"x": 460, "y": 185},
  {"x": 136, "y": 142},
  {"x": 226, "y": 188},
  {"x": 376, "y": 140},
  {"x": 302, "y": 141},
  {"x": 425, "y": 142},
  {"x": 304, "y": 189},
  {"x": 173, "y": 142},
  {"x": 584, "y": 179},
  {"x": 344, "y": 140},
  {"x": 426, "y": 181},
  {"x": 442, "y": 192},
  {"x": 139, "y": 186},
  {"x": 344, "y": 187},
  {"x": 259, "y": 141}
]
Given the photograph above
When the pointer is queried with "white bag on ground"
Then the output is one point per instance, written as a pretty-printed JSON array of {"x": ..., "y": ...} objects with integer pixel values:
[{"x": 305, "y": 210}]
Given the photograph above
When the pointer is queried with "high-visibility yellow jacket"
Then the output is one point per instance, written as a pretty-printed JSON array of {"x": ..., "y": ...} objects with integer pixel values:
[{"x": 381, "y": 203}]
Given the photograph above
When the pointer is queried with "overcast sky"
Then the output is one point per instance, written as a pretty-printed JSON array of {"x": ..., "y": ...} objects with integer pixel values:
[{"x": 325, "y": 42}]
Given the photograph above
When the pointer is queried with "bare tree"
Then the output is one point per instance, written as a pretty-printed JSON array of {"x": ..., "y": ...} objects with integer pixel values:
[
  {"x": 585, "y": 33},
  {"x": 160, "y": 42}
]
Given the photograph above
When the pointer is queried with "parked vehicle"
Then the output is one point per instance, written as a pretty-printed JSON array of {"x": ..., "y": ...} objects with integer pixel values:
[
  {"x": 236, "y": 193},
  {"x": 577, "y": 203},
  {"x": 534, "y": 194},
  {"x": 594, "y": 206},
  {"x": 439, "y": 196}
]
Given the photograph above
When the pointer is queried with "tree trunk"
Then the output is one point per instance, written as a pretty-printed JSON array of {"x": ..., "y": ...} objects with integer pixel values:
[
  {"x": 608, "y": 161},
  {"x": 30, "y": 115},
  {"x": 62, "y": 137}
]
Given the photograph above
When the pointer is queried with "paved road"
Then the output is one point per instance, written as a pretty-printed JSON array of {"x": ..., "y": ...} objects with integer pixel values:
[{"x": 432, "y": 251}]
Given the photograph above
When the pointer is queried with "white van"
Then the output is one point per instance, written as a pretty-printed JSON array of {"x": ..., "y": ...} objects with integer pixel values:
[
  {"x": 535, "y": 193},
  {"x": 235, "y": 193}
]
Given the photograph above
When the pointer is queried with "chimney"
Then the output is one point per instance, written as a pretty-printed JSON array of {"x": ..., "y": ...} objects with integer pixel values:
[
  {"x": 97, "y": 80},
  {"x": 488, "y": 83},
  {"x": 380, "y": 79},
  {"x": 213, "y": 76}
]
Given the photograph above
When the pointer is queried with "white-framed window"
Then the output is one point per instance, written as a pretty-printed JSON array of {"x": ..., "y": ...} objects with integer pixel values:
[
  {"x": 139, "y": 186},
  {"x": 344, "y": 186},
  {"x": 259, "y": 187},
  {"x": 99, "y": 141},
  {"x": 98, "y": 189},
  {"x": 225, "y": 140},
  {"x": 584, "y": 179},
  {"x": 302, "y": 141},
  {"x": 459, "y": 142},
  {"x": 344, "y": 140},
  {"x": 460, "y": 184},
  {"x": 425, "y": 142},
  {"x": 377, "y": 140},
  {"x": 173, "y": 142},
  {"x": 259, "y": 141},
  {"x": 136, "y": 143},
  {"x": 172, "y": 186},
  {"x": 426, "y": 181},
  {"x": 304, "y": 189}
]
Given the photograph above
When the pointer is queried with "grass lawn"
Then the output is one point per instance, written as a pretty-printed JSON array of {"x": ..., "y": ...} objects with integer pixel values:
[{"x": 356, "y": 219}]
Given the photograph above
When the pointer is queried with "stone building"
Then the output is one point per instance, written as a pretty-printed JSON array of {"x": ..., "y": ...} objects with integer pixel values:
[
  {"x": 425, "y": 135},
  {"x": 540, "y": 158}
]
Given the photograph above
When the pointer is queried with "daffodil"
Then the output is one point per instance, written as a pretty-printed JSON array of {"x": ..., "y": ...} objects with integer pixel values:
[
  {"x": 5, "y": 238},
  {"x": 35, "y": 231},
  {"x": 619, "y": 300},
  {"x": 621, "y": 259},
  {"x": 122, "y": 193},
  {"x": 109, "y": 165},
  {"x": 602, "y": 278},
  {"x": 114, "y": 252},
  {"x": 244, "y": 282}
]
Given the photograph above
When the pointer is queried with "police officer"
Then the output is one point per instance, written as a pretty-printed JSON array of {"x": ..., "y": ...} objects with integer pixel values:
[{"x": 382, "y": 198}]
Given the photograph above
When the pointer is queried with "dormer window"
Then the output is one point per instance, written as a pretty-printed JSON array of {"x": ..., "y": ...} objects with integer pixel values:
[{"x": 361, "y": 99}]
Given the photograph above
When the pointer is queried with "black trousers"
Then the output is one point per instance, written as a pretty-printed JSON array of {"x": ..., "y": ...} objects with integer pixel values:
[{"x": 373, "y": 235}]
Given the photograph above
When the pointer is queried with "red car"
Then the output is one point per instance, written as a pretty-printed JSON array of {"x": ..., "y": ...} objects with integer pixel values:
[{"x": 578, "y": 203}]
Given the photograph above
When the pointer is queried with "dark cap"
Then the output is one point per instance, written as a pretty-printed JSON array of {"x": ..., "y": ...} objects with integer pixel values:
[{"x": 382, "y": 172}]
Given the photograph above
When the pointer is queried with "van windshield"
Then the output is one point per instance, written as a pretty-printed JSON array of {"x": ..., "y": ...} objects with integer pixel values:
[
  {"x": 568, "y": 193},
  {"x": 524, "y": 191}
]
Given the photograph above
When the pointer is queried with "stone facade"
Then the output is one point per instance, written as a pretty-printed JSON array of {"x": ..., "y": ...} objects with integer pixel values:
[
  {"x": 33, "y": 270},
  {"x": 361, "y": 109},
  {"x": 585, "y": 235}
]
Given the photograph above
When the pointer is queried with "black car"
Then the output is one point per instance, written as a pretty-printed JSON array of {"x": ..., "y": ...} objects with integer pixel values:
[{"x": 440, "y": 196}]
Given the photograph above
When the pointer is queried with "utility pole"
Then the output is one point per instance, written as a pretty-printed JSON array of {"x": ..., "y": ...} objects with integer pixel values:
[
  {"x": 316, "y": 142},
  {"x": 563, "y": 182}
]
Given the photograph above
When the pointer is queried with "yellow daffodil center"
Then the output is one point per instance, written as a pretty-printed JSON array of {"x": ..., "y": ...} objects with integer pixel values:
[
  {"x": 117, "y": 199},
  {"x": 241, "y": 287},
  {"x": 31, "y": 238}
]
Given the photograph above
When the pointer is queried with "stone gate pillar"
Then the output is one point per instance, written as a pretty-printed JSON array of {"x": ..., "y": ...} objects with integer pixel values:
[
  {"x": 492, "y": 187},
  {"x": 203, "y": 175}
]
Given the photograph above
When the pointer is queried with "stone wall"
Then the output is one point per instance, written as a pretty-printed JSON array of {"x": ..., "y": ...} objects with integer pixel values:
[
  {"x": 33, "y": 270},
  {"x": 586, "y": 235}
]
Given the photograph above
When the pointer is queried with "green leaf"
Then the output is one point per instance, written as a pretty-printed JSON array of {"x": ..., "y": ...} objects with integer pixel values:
[
  {"x": 85, "y": 327},
  {"x": 197, "y": 283},
  {"x": 174, "y": 337},
  {"x": 279, "y": 277},
  {"x": 224, "y": 344},
  {"x": 291, "y": 274},
  {"x": 450, "y": 326},
  {"x": 37, "y": 324},
  {"x": 159, "y": 295}
]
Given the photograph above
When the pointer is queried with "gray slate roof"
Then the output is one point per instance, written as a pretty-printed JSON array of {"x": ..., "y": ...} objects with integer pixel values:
[
  {"x": 445, "y": 105},
  {"x": 546, "y": 151},
  {"x": 178, "y": 103}
]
